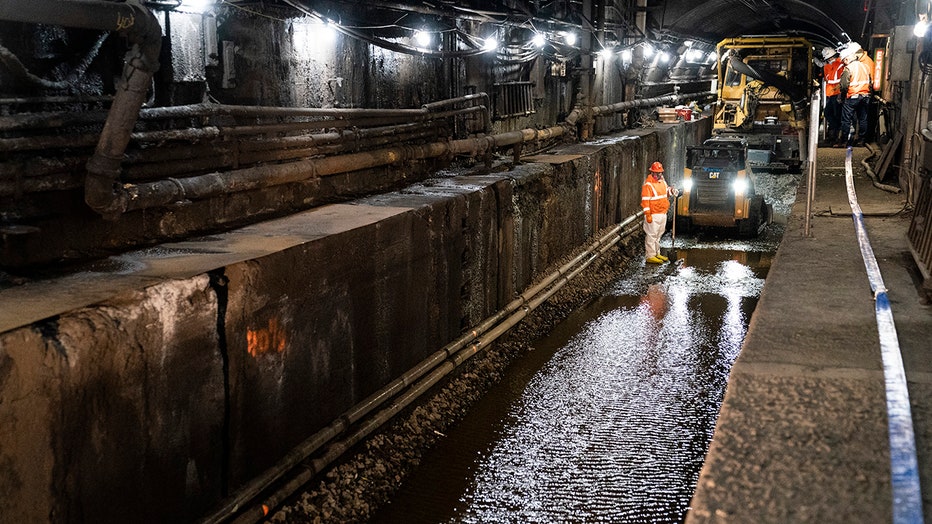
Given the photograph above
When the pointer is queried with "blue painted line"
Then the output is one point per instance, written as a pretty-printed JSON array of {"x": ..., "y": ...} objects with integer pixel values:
[{"x": 904, "y": 468}]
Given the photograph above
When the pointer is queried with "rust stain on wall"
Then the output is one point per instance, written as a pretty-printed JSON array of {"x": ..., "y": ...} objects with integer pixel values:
[{"x": 266, "y": 339}]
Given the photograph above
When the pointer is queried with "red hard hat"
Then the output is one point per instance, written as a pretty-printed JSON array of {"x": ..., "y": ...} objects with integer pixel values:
[{"x": 656, "y": 167}]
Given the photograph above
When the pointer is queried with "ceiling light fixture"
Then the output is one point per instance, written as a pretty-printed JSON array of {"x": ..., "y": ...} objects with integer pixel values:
[
  {"x": 921, "y": 28},
  {"x": 422, "y": 38}
]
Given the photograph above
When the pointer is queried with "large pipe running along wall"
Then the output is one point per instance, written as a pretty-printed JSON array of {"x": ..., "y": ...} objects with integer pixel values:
[
  {"x": 143, "y": 31},
  {"x": 129, "y": 197},
  {"x": 164, "y": 192},
  {"x": 584, "y": 117},
  {"x": 323, "y": 132}
]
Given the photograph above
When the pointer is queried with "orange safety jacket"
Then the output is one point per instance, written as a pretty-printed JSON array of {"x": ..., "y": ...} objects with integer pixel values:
[
  {"x": 832, "y": 73},
  {"x": 866, "y": 59},
  {"x": 654, "y": 196},
  {"x": 859, "y": 79}
]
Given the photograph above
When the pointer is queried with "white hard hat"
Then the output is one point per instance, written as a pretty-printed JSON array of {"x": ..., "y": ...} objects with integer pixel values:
[
  {"x": 849, "y": 50},
  {"x": 828, "y": 52}
]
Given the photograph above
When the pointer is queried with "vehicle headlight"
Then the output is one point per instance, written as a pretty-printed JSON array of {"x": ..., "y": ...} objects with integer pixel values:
[
  {"x": 740, "y": 185},
  {"x": 687, "y": 184}
]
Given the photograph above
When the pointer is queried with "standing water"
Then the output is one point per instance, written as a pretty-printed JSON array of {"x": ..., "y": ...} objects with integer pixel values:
[{"x": 609, "y": 419}]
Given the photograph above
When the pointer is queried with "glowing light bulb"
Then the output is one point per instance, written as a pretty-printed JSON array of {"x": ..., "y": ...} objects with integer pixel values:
[
  {"x": 422, "y": 38},
  {"x": 626, "y": 55},
  {"x": 539, "y": 40},
  {"x": 663, "y": 57},
  {"x": 605, "y": 54},
  {"x": 196, "y": 6},
  {"x": 490, "y": 44},
  {"x": 921, "y": 28},
  {"x": 648, "y": 51},
  {"x": 569, "y": 38}
]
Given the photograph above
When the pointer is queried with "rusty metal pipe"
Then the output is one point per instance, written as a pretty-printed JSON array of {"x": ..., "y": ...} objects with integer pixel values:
[
  {"x": 165, "y": 192},
  {"x": 199, "y": 110},
  {"x": 585, "y": 114},
  {"x": 191, "y": 134},
  {"x": 84, "y": 14},
  {"x": 350, "y": 116},
  {"x": 49, "y": 120},
  {"x": 358, "y": 137},
  {"x": 144, "y": 33},
  {"x": 231, "y": 158}
]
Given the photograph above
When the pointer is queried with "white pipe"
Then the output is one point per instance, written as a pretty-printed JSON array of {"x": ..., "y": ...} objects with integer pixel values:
[{"x": 814, "y": 106}]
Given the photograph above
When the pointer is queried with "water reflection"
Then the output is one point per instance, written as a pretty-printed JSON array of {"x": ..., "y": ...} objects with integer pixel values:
[{"x": 610, "y": 418}]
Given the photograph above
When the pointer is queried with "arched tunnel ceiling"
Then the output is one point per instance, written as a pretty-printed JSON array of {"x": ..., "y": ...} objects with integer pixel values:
[{"x": 825, "y": 22}]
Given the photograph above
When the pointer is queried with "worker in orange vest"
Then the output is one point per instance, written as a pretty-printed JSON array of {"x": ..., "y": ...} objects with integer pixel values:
[
  {"x": 655, "y": 201},
  {"x": 856, "y": 86},
  {"x": 865, "y": 58},
  {"x": 831, "y": 77}
]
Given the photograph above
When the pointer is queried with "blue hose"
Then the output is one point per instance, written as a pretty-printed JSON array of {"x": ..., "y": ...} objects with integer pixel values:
[{"x": 907, "y": 497}]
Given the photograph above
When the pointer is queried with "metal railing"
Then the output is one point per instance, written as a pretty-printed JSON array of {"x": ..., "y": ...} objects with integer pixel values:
[{"x": 919, "y": 234}]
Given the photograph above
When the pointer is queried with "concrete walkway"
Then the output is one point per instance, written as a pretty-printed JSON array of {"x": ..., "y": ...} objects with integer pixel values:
[{"x": 802, "y": 435}]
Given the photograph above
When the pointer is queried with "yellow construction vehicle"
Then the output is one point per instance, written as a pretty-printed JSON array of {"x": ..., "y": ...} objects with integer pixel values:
[
  {"x": 719, "y": 189},
  {"x": 763, "y": 89}
]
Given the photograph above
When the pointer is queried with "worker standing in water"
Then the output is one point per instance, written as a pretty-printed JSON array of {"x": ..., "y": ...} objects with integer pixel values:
[{"x": 655, "y": 201}]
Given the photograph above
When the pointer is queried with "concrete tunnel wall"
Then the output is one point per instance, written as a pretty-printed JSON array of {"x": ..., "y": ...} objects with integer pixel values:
[{"x": 150, "y": 406}]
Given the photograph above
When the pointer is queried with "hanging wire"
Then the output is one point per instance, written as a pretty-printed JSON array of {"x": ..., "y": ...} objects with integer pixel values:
[
  {"x": 388, "y": 44},
  {"x": 17, "y": 68}
]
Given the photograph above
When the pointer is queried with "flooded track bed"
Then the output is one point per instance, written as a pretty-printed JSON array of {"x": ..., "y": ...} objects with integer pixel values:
[{"x": 610, "y": 417}]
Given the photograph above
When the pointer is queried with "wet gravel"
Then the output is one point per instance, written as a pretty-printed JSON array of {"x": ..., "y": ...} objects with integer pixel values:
[{"x": 352, "y": 490}]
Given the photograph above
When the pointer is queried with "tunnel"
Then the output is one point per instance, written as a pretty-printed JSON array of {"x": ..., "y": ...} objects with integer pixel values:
[{"x": 260, "y": 260}]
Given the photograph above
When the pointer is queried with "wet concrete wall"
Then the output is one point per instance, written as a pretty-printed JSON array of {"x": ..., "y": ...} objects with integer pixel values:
[
  {"x": 151, "y": 405},
  {"x": 114, "y": 409}
]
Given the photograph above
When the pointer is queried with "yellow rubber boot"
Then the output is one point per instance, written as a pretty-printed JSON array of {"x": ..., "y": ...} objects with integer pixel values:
[
  {"x": 654, "y": 260},
  {"x": 663, "y": 258}
]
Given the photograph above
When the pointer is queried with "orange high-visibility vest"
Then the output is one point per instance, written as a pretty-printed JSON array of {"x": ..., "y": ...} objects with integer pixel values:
[
  {"x": 865, "y": 59},
  {"x": 832, "y": 72},
  {"x": 859, "y": 81},
  {"x": 654, "y": 196}
]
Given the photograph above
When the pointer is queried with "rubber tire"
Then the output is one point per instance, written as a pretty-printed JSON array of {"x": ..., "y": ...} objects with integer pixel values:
[
  {"x": 684, "y": 224},
  {"x": 750, "y": 227}
]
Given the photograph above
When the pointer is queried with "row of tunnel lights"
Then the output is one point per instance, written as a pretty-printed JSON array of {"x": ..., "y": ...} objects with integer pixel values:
[
  {"x": 694, "y": 55},
  {"x": 424, "y": 39}
]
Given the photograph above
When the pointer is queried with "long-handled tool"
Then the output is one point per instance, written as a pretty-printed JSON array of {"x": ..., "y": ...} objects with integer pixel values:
[{"x": 676, "y": 200}]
